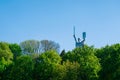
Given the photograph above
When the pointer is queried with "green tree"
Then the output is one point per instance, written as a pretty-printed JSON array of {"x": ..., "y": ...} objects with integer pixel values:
[
  {"x": 5, "y": 52},
  {"x": 62, "y": 53},
  {"x": 89, "y": 63},
  {"x": 47, "y": 45},
  {"x": 16, "y": 50},
  {"x": 72, "y": 70},
  {"x": 34, "y": 46},
  {"x": 6, "y": 57},
  {"x": 59, "y": 72},
  {"x": 22, "y": 69},
  {"x": 46, "y": 65},
  {"x": 30, "y": 46},
  {"x": 110, "y": 61}
]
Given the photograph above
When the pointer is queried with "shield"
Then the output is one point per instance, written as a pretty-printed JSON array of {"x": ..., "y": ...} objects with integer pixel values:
[{"x": 84, "y": 35}]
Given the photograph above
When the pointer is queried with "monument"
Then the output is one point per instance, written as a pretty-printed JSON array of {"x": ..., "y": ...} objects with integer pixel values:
[{"x": 79, "y": 42}]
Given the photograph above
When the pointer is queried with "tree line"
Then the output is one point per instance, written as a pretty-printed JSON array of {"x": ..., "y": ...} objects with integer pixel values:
[{"x": 42, "y": 60}]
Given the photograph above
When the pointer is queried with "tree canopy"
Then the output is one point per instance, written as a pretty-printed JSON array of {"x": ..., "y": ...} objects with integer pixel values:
[
  {"x": 89, "y": 63},
  {"x": 35, "y": 46},
  {"x": 23, "y": 62},
  {"x": 6, "y": 55},
  {"x": 110, "y": 61}
]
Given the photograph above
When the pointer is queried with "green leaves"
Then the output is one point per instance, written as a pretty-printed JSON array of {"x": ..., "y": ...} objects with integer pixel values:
[
  {"x": 110, "y": 61},
  {"x": 6, "y": 56},
  {"x": 47, "y": 45},
  {"x": 16, "y": 50},
  {"x": 22, "y": 69},
  {"x": 30, "y": 46},
  {"x": 46, "y": 65},
  {"x": 89, "y": 63},
  {"x": 85, "y": 63},
  {"x": 34, "y": 46},
  {"x": 72, "y": 70}
]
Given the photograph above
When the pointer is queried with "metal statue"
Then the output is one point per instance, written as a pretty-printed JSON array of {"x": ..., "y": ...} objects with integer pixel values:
[{"x": 79, "y": 43}]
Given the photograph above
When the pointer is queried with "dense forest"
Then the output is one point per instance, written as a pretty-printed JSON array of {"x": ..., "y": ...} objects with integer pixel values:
[{"x": 42, "y": 60}]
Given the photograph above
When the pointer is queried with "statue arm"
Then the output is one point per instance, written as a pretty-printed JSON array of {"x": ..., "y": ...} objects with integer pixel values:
[{"x": 75, "y": 38}]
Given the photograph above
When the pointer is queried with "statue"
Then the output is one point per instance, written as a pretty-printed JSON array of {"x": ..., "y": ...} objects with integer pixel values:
[{"x": 79, "y": 43}]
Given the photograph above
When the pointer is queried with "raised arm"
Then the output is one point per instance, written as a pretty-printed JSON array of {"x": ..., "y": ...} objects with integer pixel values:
[{"x": 75, "y": 38}]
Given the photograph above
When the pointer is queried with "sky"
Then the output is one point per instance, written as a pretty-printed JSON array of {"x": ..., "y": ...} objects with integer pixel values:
[{"x": 22, "y": 20}]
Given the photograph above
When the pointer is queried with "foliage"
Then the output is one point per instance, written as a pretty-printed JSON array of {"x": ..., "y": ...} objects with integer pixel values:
[
  {"x": 110, "y": 61},
  {"x": 6, "y": 56},
  {"x": 34, "y": 46},
  {"x": 30, "y": 46},
  {"x": 22, "y": 69},
  {"x": 72, "y": 70},
  {"x": 16, "y": 50},
  {"x": 89, "y": 63},
  {"x": 45, "y": 65},
  {"x": 84, "y": 63},
  {"x": 47, "y": 45},
  {"x": 62, "y": 53}
]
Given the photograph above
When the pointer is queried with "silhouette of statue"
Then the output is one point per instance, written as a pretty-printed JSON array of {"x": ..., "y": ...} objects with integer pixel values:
[{"x": 79, "y": 43}]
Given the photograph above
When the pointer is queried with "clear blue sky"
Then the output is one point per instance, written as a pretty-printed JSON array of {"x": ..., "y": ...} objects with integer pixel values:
[{"x": 54, "y": 20}]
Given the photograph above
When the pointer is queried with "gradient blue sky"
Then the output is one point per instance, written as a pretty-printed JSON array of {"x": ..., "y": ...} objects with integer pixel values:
[{"x": 54, "y": 20}]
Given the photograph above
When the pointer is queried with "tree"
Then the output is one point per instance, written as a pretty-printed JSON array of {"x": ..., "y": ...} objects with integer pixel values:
[
  {"x": 62, "y": 53},
  {"x": 59, "y": 72},
  {"x": 16, "y": 50},
  {"x": 6, "y": 57},
  {"x": 34, "y": 46},
  {"x": 72, "y": 70},
  {"x": 30, "y": 46},
  {"x": 46, "y": 65},
  {"x": 47, "y": 45},
  {"x": 22, "y": 69},
  {"x": 89, "y": 63},
  {"x": 110, "y": 61}
]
